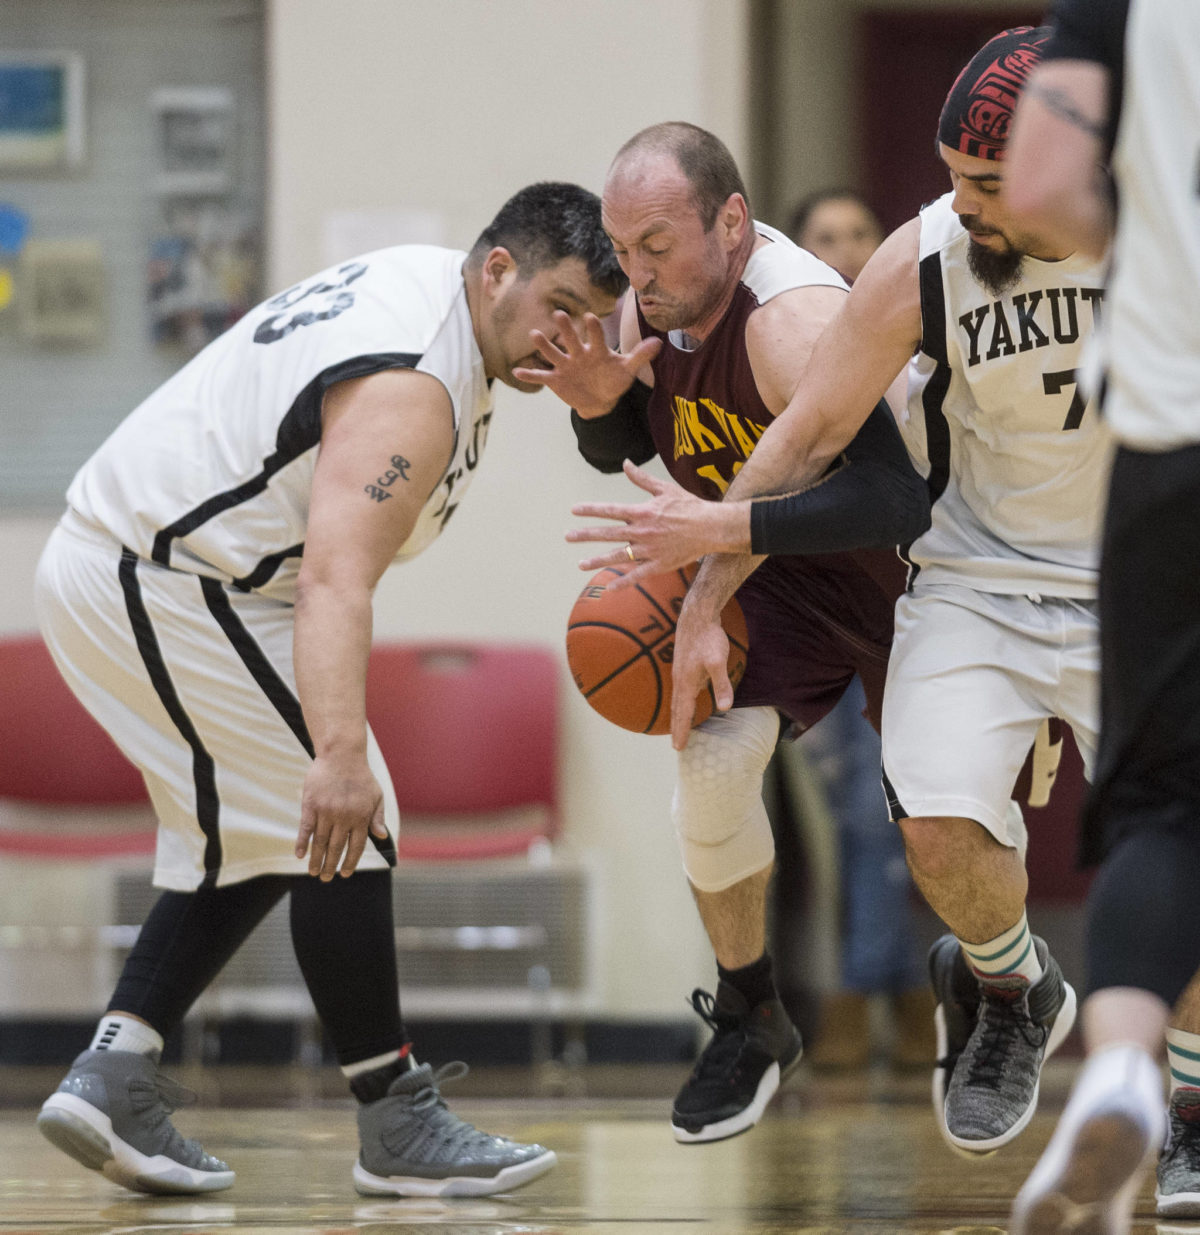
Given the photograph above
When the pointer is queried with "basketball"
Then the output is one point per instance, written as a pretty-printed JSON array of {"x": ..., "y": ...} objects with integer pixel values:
[{"x": 620, "y": 646}]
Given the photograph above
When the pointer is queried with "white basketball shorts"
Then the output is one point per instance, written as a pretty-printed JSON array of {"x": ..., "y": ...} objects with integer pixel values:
[
  {"x": 970, "y": 679},
  {"x": 194, "y": 682}
]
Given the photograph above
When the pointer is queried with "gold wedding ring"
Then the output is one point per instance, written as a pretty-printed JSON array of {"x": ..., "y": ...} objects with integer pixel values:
[{"x": 629, "y": 553}]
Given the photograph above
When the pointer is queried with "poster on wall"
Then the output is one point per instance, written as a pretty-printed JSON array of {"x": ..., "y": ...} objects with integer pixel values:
[
  {"x": 60, "y": 296},
  {"x": 203, "y": 273},
  {"x": 195, "y": 139},
  {"x": 42, "y": 121},
  {"x": 205, "y": 254}
]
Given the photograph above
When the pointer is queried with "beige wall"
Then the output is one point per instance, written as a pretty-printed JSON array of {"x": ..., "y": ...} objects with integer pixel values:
[{"x": 448, "y": 108}]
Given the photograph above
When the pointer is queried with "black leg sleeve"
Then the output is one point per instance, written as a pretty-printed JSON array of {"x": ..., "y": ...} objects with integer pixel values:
[
  {"x": 345, "y": 942},
  {"x": 1143, "y": 929},
  {"x": 185, "y": 942}
]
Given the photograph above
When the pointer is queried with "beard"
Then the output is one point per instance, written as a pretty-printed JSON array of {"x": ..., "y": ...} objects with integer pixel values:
[{"x": 998, "y": 272}]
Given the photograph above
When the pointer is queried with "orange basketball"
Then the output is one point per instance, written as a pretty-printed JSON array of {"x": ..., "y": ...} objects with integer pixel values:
[{"x": 620, "y": 646}]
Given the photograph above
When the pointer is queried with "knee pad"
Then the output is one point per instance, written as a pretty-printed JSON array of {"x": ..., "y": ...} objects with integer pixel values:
[{"x": 718, "y": 812}]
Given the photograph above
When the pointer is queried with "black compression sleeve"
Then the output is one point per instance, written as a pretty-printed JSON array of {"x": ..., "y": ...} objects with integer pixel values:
[
  {"x": 871, "y": 498},
  {"x": 624, "y": 433}
]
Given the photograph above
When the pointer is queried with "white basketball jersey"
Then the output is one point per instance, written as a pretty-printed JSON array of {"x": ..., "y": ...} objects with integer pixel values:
[
  {"x": 1152, "y": 340},
  {"x": 212, "y": 473},
  {"x": 1016, "y": 458}
]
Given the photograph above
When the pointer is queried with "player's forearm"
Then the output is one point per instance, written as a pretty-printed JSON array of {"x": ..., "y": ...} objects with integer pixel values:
[
  {"x": 720, "y": 527},
  {"x": 795, "y": 450},
  {"x": 331, "y": 646},
  {"x": 719, "y": 577}
]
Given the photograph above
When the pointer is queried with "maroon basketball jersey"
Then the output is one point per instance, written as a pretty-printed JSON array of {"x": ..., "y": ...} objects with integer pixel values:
[{"x": 814, "y": 620}]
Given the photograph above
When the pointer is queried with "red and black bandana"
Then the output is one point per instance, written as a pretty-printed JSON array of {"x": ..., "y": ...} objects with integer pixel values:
[{"x": 979, "y": 109}]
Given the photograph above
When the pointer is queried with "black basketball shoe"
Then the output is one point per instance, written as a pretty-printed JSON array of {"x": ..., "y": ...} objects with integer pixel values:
[{"x": 739, "y": 1071}]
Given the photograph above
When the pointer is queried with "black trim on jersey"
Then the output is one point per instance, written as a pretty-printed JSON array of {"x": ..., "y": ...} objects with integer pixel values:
[
  {"x": 933, "y": 397},
  {"x": 277, "y": 691},
  {"x": 264, "y": 572},
  {"x": 896, "y": 809},
  {"x": 299, "y": 431},
  {"x": 208, "y": 804}
]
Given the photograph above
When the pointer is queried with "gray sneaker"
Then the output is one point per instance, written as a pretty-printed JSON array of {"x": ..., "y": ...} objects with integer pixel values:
[
  {"x": 1178, "y": 1192},
  {"x": 412, "y": 1145},
  {"x": 112, "y": 1114},
  {"x": 993, "y": 1089},
  {"x": 956, "y": 990}
]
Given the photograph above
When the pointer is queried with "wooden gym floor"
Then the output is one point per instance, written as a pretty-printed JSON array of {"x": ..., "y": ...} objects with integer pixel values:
[{"x": 833, "y": 1156}]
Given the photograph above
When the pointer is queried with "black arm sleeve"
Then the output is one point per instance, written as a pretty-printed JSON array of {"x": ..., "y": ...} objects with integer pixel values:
[
  {"x": 870, "y": 498},
  {"x": 624, "y": 433}
]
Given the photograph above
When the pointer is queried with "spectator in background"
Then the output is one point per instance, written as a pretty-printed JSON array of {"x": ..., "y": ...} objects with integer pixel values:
[
  {"x": 839, "y": 227},
  {"x": 879, "y": 952}
]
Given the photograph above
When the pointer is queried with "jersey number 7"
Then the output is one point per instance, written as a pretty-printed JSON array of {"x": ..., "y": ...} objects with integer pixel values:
[{"x": 1053, "y": 384}]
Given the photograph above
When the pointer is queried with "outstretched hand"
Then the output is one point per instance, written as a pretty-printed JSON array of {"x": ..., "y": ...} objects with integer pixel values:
[
  {"x": 673, "y": 529},
  {"x": 584, "y": 371}
]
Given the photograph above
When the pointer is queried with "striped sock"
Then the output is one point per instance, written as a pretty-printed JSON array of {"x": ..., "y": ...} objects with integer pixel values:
[
  {"x": 123, "y": 1033},
  {"x": 1009, "y": 959},
  {"x": 1183, "y": 1059}
]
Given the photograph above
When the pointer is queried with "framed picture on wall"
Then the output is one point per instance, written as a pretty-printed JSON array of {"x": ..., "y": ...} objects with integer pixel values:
[
  {"x": 42, "y": 113},
  {"x": 60, "y": 292},
  {"x": 195, "y": 139}
]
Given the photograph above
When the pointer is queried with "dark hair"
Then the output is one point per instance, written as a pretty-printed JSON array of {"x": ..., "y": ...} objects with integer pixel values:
[
  {"x": 807, "y": 205},
  {"x": 547, "y": 222},
  {"x": 702, "y": 157}
]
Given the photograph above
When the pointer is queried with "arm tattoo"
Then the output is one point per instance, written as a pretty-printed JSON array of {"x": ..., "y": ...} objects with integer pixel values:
[
  {"x": 378, "y": 492},
  {"x": 1064, "y": 107}
]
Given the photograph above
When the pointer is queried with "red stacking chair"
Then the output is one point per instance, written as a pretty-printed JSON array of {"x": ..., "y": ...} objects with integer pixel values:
[
  {"x": 470, "y": 735},
  {"x": 53, "y": 754}
]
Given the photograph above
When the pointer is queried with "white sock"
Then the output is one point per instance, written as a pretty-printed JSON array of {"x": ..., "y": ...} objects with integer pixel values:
[
  {"x": 351, "y": 1070},
  {"x": 1183, "y": 1059},
  {"x": 1010, "y": 956},
  {"x": 123, "y": 1033}
]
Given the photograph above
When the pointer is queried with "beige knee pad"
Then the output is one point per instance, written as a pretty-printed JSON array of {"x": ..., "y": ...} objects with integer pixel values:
[{"x": 718, "y": 812}]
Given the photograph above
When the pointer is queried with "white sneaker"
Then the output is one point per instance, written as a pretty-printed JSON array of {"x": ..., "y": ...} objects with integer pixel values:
[{"x": 1088, "y": 1178}]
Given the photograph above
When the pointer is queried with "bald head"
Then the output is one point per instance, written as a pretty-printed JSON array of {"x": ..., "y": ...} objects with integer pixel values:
[{"x": 707, "y": 167}]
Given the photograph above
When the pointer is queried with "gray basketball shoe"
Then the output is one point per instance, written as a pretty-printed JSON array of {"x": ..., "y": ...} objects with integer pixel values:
[
  {"x": 1178, "y": 1192},
  {"x": 112, "y": 1114},
  {"x": 993, "y": 1089},
  {"x": 956, "y": 990},
  {"x": 412, "y": 1145}
]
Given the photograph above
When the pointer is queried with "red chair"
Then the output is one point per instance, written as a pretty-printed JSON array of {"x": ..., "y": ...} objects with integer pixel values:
[
  {"x": 470, "y": 735},
  {"x": 54, "y": 755}
]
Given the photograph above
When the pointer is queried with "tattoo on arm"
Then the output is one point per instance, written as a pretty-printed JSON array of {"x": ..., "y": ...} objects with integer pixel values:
[
  {"x": 1064, "y": 107},
  {"x": 378, "y": 492}
]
